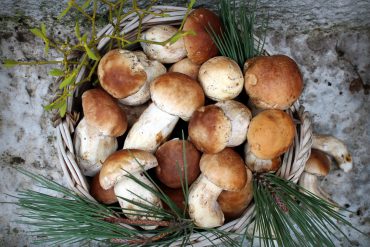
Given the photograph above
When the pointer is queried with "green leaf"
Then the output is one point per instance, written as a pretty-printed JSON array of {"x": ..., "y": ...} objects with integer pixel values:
[
  {"x": 84, "y": 38},
  {"x": 43, "y": 29},
  {"x": 46, "y": 49},
  {"x": 37, "y": 32},
  {"x": 91, "y": 54},
  {"x": 63, "y": 110},
  {"x": 56, "y": 72},
  {"x": 8, "y": 63},
  {"x": 77, "y": 31},
  {"x": 67, "y": 81},
  {"x": 86, "y": 4},
  {"x": 61, "y": 15}
]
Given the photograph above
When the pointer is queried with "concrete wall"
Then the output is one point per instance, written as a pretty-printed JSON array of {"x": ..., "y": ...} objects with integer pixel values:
[{"x": 330, "y": 40}]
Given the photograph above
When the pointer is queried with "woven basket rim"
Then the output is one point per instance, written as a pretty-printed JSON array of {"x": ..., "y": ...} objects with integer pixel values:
[{"x": 293, "y": 160}]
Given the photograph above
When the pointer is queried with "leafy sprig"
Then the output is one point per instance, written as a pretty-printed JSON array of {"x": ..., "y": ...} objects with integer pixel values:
[
  {"x": 81, "y": 54},
  {"x": 238, "y": 39}
]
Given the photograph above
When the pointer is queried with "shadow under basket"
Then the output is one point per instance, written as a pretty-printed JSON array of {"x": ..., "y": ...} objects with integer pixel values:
[{"x": 293, "y": 160}]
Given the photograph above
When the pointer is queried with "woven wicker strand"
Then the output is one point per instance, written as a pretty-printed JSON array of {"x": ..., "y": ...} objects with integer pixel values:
[{"x": 293, "y": 161}]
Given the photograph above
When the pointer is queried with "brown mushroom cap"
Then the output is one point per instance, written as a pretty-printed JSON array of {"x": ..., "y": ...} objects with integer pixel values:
[
  {"x": 318, "y": 163},
  {"x": 187, "y": 67},
  {"x": 233, "y": 203},
  {"x": 200, "y": 46},
  {"x": 123, "y": 161},
  {"x": 176, "y": 195},
  {"x": 103, "y": 112},
  {"x": 270, "y": 134},
  {"x": 209, "y": 129},
  {"x": 171, "y": 163},
  {"x": 177, "y": 94},
  {"x": 272, "y": 82},
  {"x": 225, "y": 169},
  {"x": 100, "y": 194},
  {"x": 120, "y": 73}
]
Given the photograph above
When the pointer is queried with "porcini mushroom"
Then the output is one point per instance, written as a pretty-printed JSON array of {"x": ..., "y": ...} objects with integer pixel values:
[
  {"x": 234, "y": 203},
  {"x": 335, "y": 148},
  {"x": 270, "y": 134},
  {"x": 260, "y": 165},
  {"x": 272, "y": 82},
  {"x": 114, "y": 174},
  {"x": 317, "y": 165},
  {"x": 169, "y": 53},
  {"x": 100, "y": 194},
  {"x": 200, "y": 47},
  {"x": 221, "y": 171},
  {"x": 221, "y": 78},
  {"x": 214, "y": 127},
  {"x": 95, "y": 135},
  {"x": 170, "y": 156},
  {"x": 152, "y": 69},
  {"x": 186, "y": 67},
  {"x": 174, "y": 96}
]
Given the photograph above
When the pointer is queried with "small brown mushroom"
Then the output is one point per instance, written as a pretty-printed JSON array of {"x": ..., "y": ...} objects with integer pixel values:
[
  {"x": 186, "y": 67},
  {"x": 100, "y": 194},
  {"x": 171, "y": 163},
  {"x": 270, "y": 134}
]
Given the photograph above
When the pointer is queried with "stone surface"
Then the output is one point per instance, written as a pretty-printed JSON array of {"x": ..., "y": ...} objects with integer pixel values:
[{"x": 330, "y": 40}]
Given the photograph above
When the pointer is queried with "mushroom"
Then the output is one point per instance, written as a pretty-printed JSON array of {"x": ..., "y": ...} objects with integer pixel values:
[
  {"x": 114, "y": 174},
  {"x": 169, "y": 53},
  {"x": 214, "y": 127},
  {"x": 335, "y": 148},
  {"x": 221, "y": 78},
  {"x": 270, "y": 134},
  {"x": 317, "y": 165},
  {"x": 171, "y": 163},
  {"x": 221, "y": 171},
  {"x": 272, "y": 82},
  {"x": 176, "y": 196},
  {"x": 95, "y": 135},
  {"x": 100, "y": 194},
  {"x": 260, "y": 165},
  {"x": 174, "y": 96},
  {"x": 186, "y": 67},
  {"x": 234, "y": 203},
  {"x": 200, "y": 47},
  {"x": 152, "y": 69}
]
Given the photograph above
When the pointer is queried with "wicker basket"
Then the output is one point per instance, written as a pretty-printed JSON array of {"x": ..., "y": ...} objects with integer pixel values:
[{"x": 293, "y": 161}]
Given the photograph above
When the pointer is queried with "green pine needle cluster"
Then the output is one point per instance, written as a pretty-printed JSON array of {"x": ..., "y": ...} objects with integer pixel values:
[
  {"x": 288, "y": 215},
  {"x": 238, "y": 39}
]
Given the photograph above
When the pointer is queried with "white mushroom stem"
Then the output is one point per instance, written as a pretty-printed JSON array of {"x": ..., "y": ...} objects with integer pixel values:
[
  {"x": 151, "y": 129},
  {"x": 129, "y": 189},
  {"x": 203, "y": 206},
  {"x": 259, "y": 165},
  {"x": 92, "y": 148},
  {"x": 311, "y": 183},
  {"x": 334, "y": 147}
]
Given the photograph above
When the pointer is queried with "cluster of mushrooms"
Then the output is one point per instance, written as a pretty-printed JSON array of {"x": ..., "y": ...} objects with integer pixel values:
[{"x": 141, "y": 102}]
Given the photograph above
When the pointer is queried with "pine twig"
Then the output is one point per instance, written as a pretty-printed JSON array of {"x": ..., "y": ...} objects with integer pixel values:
[
  {"x": 139, "y": 222},
  {"x": 140, "y": 241}
]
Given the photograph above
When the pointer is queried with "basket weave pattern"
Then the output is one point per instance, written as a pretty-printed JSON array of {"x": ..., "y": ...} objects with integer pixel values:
[{"x": 293, "y": 161}]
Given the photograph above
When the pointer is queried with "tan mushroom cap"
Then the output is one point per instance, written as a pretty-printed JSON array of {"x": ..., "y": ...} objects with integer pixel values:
[
  {"x": 200, "y": 47},
  {"x": 225, "y": 169},
  {"x": 233, "y": 203},
  {"x": 120, "y": 162},
  {"x": 171, "y": 164},
  {"x": 270, "y": 134},
  {"x": 187, "y": 67},
  {"x": 100, "y": 194},
  {"x": 120, "y": 73},
  {"x": 103, "y": 112},
  {"x": 318, "y": 163},
  {"x": 209, "y": 129},
  {"x": 272, "y": 82},
  {"x": 177, "y": 94}
]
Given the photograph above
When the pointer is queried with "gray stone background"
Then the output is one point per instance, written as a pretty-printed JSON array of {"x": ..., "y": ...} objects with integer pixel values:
[{"x": 329, "y": 39}]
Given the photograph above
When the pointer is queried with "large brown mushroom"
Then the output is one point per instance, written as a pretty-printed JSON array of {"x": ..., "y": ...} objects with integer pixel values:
[
  {"x": 200, "y": 47},
  {"x": 272, "y": 82},
  {"x": 270, "y": 134},
  {"x": 170, "y": 170},
  {"x": 221, "y": 171}
]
